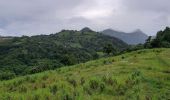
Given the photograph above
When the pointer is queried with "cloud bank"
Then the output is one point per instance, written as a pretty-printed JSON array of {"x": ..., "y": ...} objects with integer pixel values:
[{"x": 32, "y": 17}]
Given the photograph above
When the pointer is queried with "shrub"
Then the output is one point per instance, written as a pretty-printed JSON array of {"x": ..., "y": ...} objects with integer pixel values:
[
  {"x": 104, "y": 78},
  {"x": 7, "y": 97},
  {"x": 43, "y": 85},
  {"x": 53, "y": 89},
  {"x": 22, "y": 89},
  {"x": 129, "y": 83},
  {"x": 87, "y": 90},
  {"x": 68, "y": 59},
  {"x": 135, "y": 74},
  {"x": 106, "y": 62},
  {"x": 67, "y": 97},
  {"x": 93, "y": 84},
  {"x": 113, "y": 60},
  {"x": 75, "y": 93},
  {"x": 109, "y": 80},
  {"x": 47, "y": 97},
  {"x": 102, "y": 87},
  {"x": 11, "y": 88},
  {"x": 166, "y": 71},
  {"x": 121, "y": 90},
  {"x": 32, "y": 80},
  {"x": 82, "y": 81},
  {"x": 36, "y": 97},
  {"x": 148, "y": 97},
  {"x": 27, "y": 78},
  {"x": 123, "y": 57},
  {"x": 73, "y": 82},
  {"x": 6, "y": 75},
  {"x": 35, "y": 87},
  {"x": 19, "y": 82},
  {"x": 45, "y": 77}
]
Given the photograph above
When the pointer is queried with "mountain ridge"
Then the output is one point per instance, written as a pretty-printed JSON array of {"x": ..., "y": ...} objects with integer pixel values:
[{"x": 135, "y": 37}]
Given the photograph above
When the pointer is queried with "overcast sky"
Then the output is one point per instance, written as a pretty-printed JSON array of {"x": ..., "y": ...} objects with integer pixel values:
[{"x": 31, "y": 17}]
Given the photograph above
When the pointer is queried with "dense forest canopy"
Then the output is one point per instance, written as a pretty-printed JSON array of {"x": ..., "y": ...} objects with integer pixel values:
[{"x": 24, "y": 55}]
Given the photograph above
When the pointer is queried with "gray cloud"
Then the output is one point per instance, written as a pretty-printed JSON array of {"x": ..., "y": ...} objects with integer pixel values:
[
  {"x": 148, "y": 5},
  {"x": 31, "y": 17}
]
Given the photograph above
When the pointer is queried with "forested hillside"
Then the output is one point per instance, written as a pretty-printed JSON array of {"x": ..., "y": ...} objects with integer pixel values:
[{"x": 24, "y": 55}]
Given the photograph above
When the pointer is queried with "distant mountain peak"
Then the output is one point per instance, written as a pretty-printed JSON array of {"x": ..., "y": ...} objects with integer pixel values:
[
  {"x": 109, "y": 29},
  {"x": 138, "y": 31},
  {"x": 86, "y": 29},
  {"x": 112, "y": 30},
  {"x": 134, "y": 37}
]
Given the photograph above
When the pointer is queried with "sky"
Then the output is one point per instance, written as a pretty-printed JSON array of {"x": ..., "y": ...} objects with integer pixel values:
[{"x": 33, "y": 17}]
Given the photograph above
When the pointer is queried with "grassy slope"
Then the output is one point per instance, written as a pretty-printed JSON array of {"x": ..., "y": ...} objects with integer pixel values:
[{"x": 143, "y": 74}]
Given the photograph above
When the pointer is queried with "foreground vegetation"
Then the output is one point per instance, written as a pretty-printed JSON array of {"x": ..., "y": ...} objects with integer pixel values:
[{"x": 139, "y": 75}]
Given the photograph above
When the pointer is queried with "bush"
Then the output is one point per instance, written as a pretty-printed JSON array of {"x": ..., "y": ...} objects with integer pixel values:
[
  {"x": 67, "y": 97},
  {"x": 53, "y": 89},
  {"x": 22, "y": 89},
  {"x": 75, "y": 93},
  {"x": 31, "y": 79},
  {"x": 11, "y": 88},
  {"x": 93, "y": 84},
  {"x": 87, "y": 90},
  {"x": 102, "y": 87},
  {"x": 121, "y": 90},
  {"x": 82, "y": 81},
  {"x": 136, "y": 74},
  {"x": 43, "y": 85},
  {"x": 27, "y": 78},
  {"x": 45, "y": 77},
  {"x": 68, "y": 60},
  {"x": 36, "y": 97},
  {"x": 73, "y": 82},
  {"x": 35, "y": 87},
  {"x": 123, "y": 57},
  {"x": 129, "y": 83},
  {"x": 19, "y": 82},
  {"x": 7, "y": 97},
  {"x": 6, "y": 75},
  {"x": 107, "y": 62},
  {"x": 109, "y": 80}
]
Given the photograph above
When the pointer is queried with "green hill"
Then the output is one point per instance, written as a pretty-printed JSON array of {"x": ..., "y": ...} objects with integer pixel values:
[
  {"x": 25, "y": 55},
  {"x": 139, "y": 75}
]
